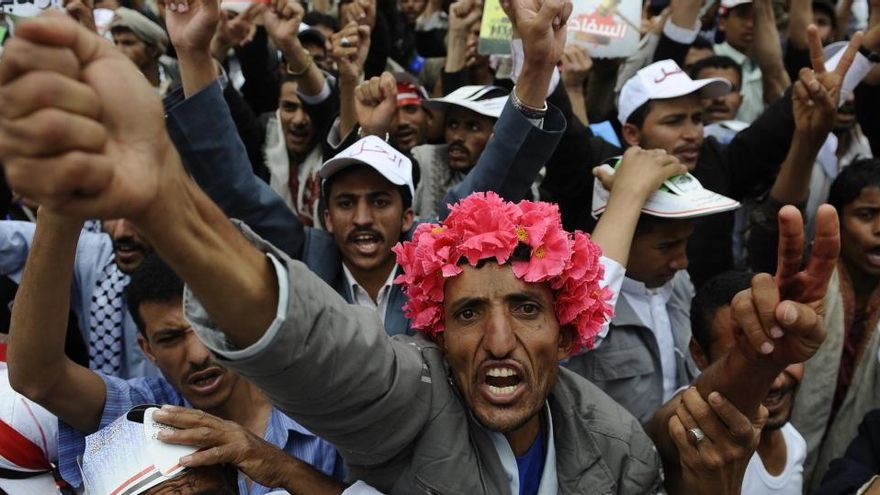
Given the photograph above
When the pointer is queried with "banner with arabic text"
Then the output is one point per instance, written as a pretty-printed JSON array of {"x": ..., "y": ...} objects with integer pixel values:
[{"x": 606, "y": 28}]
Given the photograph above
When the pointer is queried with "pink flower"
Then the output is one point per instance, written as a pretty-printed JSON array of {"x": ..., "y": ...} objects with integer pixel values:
[
  {"x": 548, "y": 258},
  {"x": 484, "y": 226}
]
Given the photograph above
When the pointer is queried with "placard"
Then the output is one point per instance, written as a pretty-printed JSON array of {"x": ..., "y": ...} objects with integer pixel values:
[
  {"x": 606, "y": 28},
  {"x": 495, "y": 30},
  {"x": 27, "y": 8}
]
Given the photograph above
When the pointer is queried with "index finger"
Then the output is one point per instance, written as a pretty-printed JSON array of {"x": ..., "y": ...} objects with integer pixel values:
[
  {"x": 826, "y": 249},
  {"x": 184, "y": 418},
  {"x": 817, "y": 55},
  {"x": 790, "y": 253}
]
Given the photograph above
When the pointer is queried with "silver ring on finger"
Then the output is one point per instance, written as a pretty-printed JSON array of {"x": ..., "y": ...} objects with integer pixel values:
[
  {"x": 345, "y": 42},
  {"x": 696, "y": 435}
]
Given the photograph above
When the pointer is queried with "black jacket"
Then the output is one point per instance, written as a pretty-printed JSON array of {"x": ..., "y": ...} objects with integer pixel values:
[{"x": 861, "y": 461}]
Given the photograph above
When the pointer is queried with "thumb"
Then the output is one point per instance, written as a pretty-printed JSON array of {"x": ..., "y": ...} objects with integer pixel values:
[
  {"x": 605, "y": 177},
  {"x": 389, "y": 87}
]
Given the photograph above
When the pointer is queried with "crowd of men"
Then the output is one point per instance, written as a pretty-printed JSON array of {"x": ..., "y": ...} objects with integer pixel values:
[{"x": 319, "y": 247}]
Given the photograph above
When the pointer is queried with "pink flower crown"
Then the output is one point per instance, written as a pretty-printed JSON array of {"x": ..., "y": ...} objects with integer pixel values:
[{"x": 484, "y": 226}]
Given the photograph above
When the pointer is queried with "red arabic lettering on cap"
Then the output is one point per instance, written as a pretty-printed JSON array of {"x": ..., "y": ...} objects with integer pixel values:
[
  {"x": 363, "y": 148},
  {"x": 659, "y": 80}
]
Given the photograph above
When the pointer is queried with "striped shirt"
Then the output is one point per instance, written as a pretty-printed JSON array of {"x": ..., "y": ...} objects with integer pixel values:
[{"x": 122, "y": 395}]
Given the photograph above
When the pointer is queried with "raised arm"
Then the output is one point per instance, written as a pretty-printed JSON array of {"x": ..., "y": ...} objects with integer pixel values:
[
  {"x": 768, "y": 52},
  {"x": 245, "y": 297},
  {"x": 521, "y": 146},
  {"x": 779, "y": 322},
  {"x": 639, "y": 175},
  {"x": 754, "y": 155},
  {"x": 350, "y": 57},
  {"x": 38, "y": 366},
  {"x": 204, "y": 133}
]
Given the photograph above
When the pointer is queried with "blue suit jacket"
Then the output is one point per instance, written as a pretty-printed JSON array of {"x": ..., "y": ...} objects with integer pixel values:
[{"x": 204, "y": 133}]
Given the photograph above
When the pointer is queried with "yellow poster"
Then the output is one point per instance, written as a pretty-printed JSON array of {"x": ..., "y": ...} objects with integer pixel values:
[{"x": 495, "y": 30}]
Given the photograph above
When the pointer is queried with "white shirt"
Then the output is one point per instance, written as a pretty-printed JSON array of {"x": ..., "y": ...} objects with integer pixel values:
[
  {"x": 757, "y": 481},
  {"x": 361, "y": 298},
  {"x": 650, "y": 307},
  {"x": 549, "y": 484}
]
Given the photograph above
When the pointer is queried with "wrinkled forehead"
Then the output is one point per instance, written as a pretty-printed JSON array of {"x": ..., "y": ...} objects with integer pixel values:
[{"x": 491, "y": 282}]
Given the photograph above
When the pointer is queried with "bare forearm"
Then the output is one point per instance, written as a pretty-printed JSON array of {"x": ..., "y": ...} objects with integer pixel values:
[
  {"x": 197, "y": 70},
  {"x": 844, "y": 12},
  {"x": 534, "y": 81},
  {"x": 793, "y": 182},
  {"x": 347, "y": 110},
  {"x": 743, "y": 381},
  {"x": 456, "y": 51},
  {"x": 684, "y": 13},
  {"x": 38, "y": 366},
  {"x": 311, "y": 82},
  {"x": 42, "y": 303},
  {"x": 800, "y": 15},
  {"x": 232, "y": 279},
  {"x": 615, "y": 229},
  {"x": 768, "y": 53}
]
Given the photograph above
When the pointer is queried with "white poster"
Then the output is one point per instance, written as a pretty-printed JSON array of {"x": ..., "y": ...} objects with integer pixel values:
[
  {"x": 27, "y": 8},
  {"x": 606, "y": 28}
]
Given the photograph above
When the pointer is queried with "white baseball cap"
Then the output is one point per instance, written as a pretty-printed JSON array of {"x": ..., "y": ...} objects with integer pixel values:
[
  {"x": 127, "y": 457},
  {"x": 376, "y": 153},
  {"x": 28, "y": 441},
  {"x": 729, "y": 4},
  {"x": 680, "y": 197},
  {"x": 485, "y": 100},
  {"x": 662, "y": 80}
]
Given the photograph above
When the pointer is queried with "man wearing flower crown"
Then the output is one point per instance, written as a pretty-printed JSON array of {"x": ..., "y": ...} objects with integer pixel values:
[{"x": 501, "y": 289}]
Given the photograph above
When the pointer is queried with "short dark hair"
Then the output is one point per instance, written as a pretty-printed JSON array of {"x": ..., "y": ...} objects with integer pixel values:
[
  {"x": 638, "y": 116},
  {"x": 647, "y": 223},
  {"x": 153, "y": 281},
  {"x": 717, "y": 62},
  {"x": 315, "y": 18},
  {"x": 714, "y": 294},
  {"x": 702, "y": 43},
  {"x": 829, "y": 9},
  {"x": 849, "y": 184}
]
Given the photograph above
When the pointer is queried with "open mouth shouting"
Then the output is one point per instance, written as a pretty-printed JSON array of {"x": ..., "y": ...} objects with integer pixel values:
[
  {"x": 206, "y": 381},
  {"x": 502, "y": 384},
  {"x": 366, "y": 243}
]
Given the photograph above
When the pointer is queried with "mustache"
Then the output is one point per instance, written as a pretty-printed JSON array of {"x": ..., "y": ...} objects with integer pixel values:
[
  {"x": 458, "y": 145},
  {"x": 364, "y": 230},
  {"x": 405, "y": 127},
  {"x": 127, "y": 243},
  {"x": 196, "y": 368}
]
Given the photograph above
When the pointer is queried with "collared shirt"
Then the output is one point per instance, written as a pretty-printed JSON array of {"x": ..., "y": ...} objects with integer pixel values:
[
  {"x": 549, "y": 483},
  {"x": 650, "y": 307},
  {"x": 122, "y": 395},
  {"x": 752, "y": 83},
  {"x": 361, "y": 298}
]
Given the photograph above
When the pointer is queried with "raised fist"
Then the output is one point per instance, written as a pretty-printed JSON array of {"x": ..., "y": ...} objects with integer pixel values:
[{"x": 375, "y": 104}]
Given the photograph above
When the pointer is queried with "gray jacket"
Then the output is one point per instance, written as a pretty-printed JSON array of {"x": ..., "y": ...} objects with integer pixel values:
[
  {"x": 389, "y": 406},
  {"x": 627, "y": 363}
]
